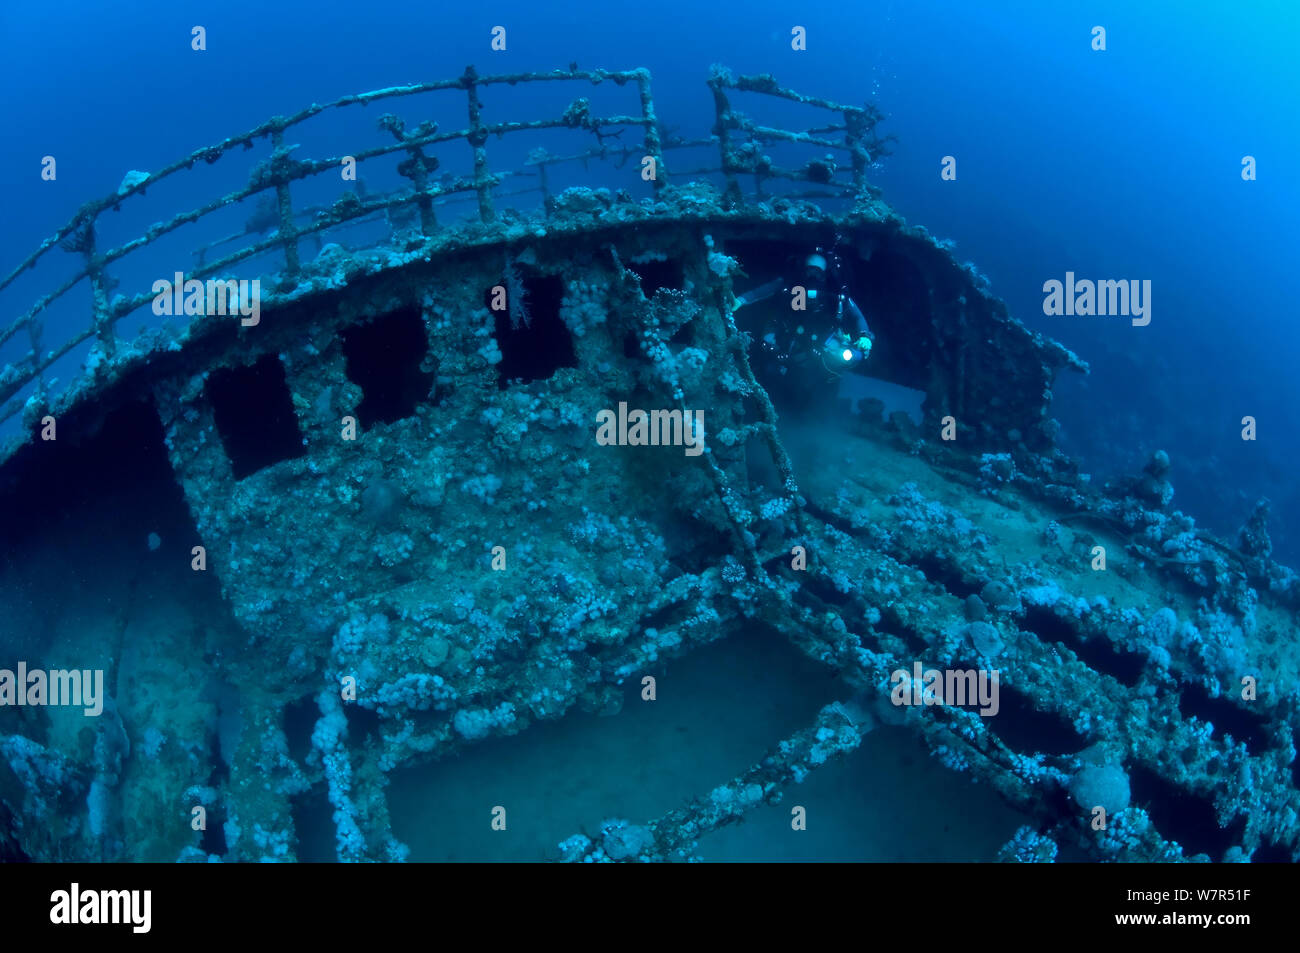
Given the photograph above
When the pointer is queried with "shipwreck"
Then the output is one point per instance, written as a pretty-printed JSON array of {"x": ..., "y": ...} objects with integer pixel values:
[{"x": 399, "y": 537}]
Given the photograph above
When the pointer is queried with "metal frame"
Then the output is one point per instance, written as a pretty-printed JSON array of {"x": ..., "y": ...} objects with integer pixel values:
[{"x": 735, "y": 135}]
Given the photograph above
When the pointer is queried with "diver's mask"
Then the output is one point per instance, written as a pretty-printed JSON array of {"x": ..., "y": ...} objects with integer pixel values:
[{"x": 815, "y": 279}]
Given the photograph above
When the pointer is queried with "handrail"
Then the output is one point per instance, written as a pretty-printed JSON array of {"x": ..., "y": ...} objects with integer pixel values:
[{"x": 737, "y": 137}]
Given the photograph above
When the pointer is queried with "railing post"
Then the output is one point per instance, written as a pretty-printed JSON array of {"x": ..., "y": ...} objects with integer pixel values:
[
  {"x": 415, "y": 167},
  {"x": 280, "y": 170},
  {"x": 34, "y": 335},
  {"x": 428, "y": 220},
  {"x": 545, "y": 186},
  {"x": 854, "y": 133},
  {"x": 653, "y": 146},
  {"x": 478, "y": 139},
  {"x": 101, "y": 314},
  {"x": 723, "y": 110}
]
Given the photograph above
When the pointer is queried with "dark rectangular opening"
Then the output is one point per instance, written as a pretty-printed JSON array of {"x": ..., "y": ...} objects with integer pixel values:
[
  {"x": 1097, "y": 654},
  {"x": 1026, "y": 729},
  {"x": 656, "y": 274},
  {"x": 533, "y": 339},
  {"x": 1179, "y": 815},
  {"x": 254, "y": 415},
  {"x": 1226, "y": 717},
  {"x": 384, "y": 359}
]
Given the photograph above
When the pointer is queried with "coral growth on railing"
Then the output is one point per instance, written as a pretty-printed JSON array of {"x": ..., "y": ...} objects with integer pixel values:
[
  {"x": 742, "y": 140},
  {"x": 277, "y": 225}
]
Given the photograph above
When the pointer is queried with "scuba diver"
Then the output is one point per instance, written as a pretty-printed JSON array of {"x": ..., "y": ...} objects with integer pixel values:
[{"x": 830, "y": 334}]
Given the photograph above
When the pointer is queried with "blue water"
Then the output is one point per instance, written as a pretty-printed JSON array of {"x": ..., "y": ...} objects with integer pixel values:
[{"x": 1116, "y": 164}]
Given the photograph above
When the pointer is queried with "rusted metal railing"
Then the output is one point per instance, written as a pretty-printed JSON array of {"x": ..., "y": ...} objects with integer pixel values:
[
  {"x": 275, "y": 176},
  {"x": 741, "y": 140},
  {"x": 738, "y": 138}
]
